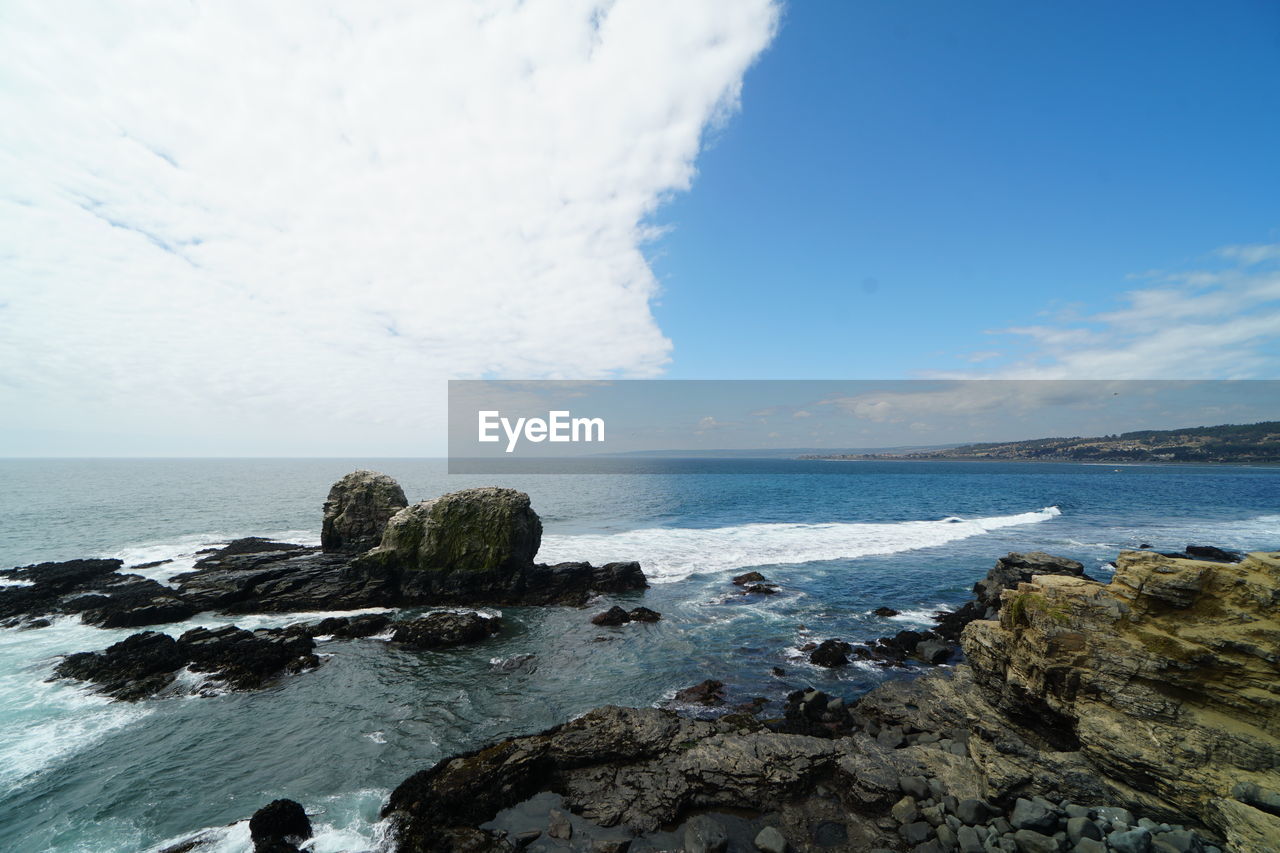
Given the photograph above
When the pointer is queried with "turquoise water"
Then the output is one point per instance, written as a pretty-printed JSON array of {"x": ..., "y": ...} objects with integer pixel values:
[{"x": 78, "y": 773}]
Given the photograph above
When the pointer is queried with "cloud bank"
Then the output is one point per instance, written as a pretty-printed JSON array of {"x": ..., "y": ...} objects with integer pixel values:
[
  {"x": 276, "y": 229},
  {"x": 1221, "y": 321}
]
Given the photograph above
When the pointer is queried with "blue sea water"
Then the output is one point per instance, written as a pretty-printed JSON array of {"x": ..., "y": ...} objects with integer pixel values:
[{"x": 80, "y": 773}]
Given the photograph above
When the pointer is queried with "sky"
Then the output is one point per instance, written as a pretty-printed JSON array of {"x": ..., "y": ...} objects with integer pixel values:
[{"x": 229, "y": 229}]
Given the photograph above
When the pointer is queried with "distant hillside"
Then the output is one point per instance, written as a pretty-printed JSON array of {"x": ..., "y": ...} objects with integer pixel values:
[{"x": 1258, "y": 442}]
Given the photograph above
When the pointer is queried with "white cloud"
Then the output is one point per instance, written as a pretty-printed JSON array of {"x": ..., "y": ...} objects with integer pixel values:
[
  {"x": 1201, "y": 324},
  {"x": 279, "y": 227}
]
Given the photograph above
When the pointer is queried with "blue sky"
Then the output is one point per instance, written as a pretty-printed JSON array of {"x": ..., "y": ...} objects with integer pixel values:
[
  {"x": 224, "y": 232},
  {"x": 906, "y": 176}
]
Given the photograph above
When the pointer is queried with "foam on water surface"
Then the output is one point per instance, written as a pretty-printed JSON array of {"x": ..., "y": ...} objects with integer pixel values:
[{"x": 672, "y": 553}]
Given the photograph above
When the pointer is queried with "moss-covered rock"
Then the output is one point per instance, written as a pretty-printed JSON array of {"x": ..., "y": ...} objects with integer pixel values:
[{"x": 474, "y": 530}]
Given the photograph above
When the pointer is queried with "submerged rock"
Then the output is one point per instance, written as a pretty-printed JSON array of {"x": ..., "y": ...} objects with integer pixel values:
[
  {"x": 357, "y": 511},
  {"x": 831, "y": 653}
]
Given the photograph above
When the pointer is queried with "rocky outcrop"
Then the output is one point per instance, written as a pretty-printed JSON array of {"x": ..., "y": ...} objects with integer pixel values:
[
  {"x": 95, "y": 589},
  {"x": 466, "y": 548},
  {"x": 357, "y": 511},
  {"x": 643, "y": 769},
  {"x": 1166, "y": 680},
  {"x": 231, "y": 658},
  {"x": 474, "y": 530},
  {"x": 1015, "y": 568}
]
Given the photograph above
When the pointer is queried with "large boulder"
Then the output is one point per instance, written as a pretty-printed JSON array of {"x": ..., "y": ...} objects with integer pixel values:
[
  {"x": 474, "y": 530},
  {"x": 357, "y": 511}
]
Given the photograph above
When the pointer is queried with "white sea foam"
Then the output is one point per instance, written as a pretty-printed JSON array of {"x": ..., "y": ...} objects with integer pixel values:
[
  {"x": 673, "y": 553},
  {"x": 180, "y": 555}
]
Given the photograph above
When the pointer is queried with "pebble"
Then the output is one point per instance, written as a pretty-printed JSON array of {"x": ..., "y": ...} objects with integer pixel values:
[{"x": 770, "y": 840}]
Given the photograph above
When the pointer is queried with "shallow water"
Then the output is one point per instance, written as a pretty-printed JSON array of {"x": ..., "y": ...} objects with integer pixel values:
[{"x": 80, "y": 773}]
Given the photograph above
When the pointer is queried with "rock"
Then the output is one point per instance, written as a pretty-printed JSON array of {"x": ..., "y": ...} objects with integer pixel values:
[
  {"x": 1176, "y": 841},
  {"x": 973, "y": 811},
  {"x": 1088, "y": 845},
  {"x": 915, "y": 833},
  {"x": 473, "y": 530},
  {"x": 640, "y": 768},
  {"x": 559, "y": 826},
  {"x": 709, "y": 692},
  {"x": 760, "y": 589},
  {"x": 749, "y": 578},
  {"x": 914, "y": 786},
  {"x": 146, "y": 664},
  {"x": 612, "y": 617},
  {"x": 1082, "y": 827},
  {"x": 355, "y": 627},
  {"x": 934, "y": 652},
  {"x": 905, "y": 811},
  {"x": 702, "y": 834},
  {"x": 1258, "y": 797},
  {"x": 946, "y": 837},
  {"x": 441, "y": 630},
  {"x": 248, "y": 545},
  {"x": 831, "y": 653},
  {"x": 885, "y": 612},
  {"x": 1029, "y": 841},
  {"x": 644, "y": 614},
  {"x": 968, "y": 841},
  {"x": 770, "y": 840},
  {"x": 92, "y": 588},
  {"x": 1136, "y": 840},
  {"x": 1030, "y": 815},
  {"x": 1209, "y": 552},
  {"x": 1015, "y": 568},
  {"x": 611, "y": 845},
  {"x": 357, "y": 511},
  {"x": 279, "y": 826}
]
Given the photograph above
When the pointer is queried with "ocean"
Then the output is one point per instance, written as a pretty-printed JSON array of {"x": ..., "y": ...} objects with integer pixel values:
[{"x": 82, "y": 773}]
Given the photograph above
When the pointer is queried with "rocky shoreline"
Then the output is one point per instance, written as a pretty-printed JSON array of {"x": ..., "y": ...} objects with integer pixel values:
[{"x": 1140, "y": 715}]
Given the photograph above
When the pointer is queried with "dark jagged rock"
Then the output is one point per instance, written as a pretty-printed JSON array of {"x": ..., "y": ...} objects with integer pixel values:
[
  {"x": 286, "y": 581},
  {"x": 93, "y": 588},
  {"x": 441, "y": 630},
  {"x": 831, "y": 653},
  {"x": 885, "y": 612},
  {"x": 350, "y": 628},
  {"x": 1212, "y": 554},
  {"x": 759, "y": 589},
  {"x": 147, "y": 663},
  {"x": 279, "y": 827},
  {"x": 750, "y": 578},
  {"x": 644, "y": 614},
  {"x": 357, "y": 511},
  {"x": 612, "y": 617},
  {"x": 639, "y": 768},
  {"x": 248, "y": 545},
  {"x": 1015, "y": 568},
  {"x": 709, "y": 692}
]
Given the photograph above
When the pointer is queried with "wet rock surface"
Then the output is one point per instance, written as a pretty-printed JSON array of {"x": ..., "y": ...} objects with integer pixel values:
[
  {"x": 441, "y": 630},
  {"x": 279, "y": 827},
  {"x": 95, "y": 589}
]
